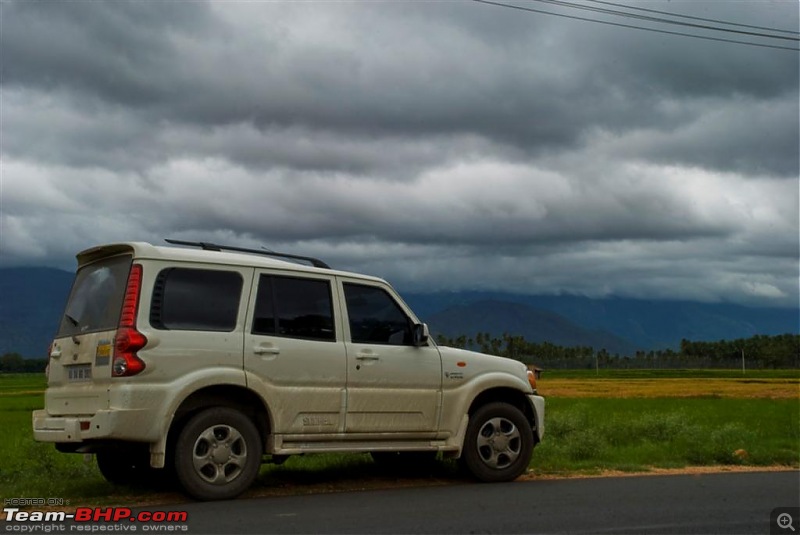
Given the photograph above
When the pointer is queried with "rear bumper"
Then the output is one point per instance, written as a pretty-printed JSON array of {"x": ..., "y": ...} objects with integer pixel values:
[{"x": 117, "y": 424}]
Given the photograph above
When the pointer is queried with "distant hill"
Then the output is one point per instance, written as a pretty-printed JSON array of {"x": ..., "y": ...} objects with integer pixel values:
[
  {"x": 32, "y": 301},
  {"x": 644, "y": 323},
  {"x": 498, "y": 317}
]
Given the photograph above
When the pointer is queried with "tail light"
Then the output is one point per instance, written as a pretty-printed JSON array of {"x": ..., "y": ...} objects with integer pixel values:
[{"x": 128, "y": 340}]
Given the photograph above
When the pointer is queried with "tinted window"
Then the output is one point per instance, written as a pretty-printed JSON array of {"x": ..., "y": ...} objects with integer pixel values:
[
  {"x": 375, "y": 318},
  {"x": 95, "y": 301},
  {"x": 294, "y": 307},
  {"x": 196, "y": 300}
]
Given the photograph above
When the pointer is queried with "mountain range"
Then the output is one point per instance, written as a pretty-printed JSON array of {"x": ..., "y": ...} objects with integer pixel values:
[
  {"x": 636, "y": 323},
  {"x": 32, "y": 301}
]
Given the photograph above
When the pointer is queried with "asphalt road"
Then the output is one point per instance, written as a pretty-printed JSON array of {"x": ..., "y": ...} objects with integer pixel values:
[{"x": 709, "y": 503}]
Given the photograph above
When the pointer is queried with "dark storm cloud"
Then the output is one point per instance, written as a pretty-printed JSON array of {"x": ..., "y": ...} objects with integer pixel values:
[
  {"x": 121, "y": 52},
  {"x": 400, "y": 138},
  {"x": 178, "y": 63}
]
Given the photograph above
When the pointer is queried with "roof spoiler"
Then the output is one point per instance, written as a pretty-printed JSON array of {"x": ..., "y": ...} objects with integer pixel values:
[{"x": 215, "y": 247}]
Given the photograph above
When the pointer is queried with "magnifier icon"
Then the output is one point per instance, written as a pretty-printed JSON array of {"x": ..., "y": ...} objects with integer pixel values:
[{"x": 785, "y": 521}]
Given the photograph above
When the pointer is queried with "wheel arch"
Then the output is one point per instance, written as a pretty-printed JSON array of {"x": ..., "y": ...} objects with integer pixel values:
[
  {"x": 231, "y": 396},
  {"x": 507, "y": 395}
]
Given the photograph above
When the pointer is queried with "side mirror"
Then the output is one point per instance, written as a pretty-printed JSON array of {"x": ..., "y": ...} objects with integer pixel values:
[{"x": 420, "y": 334}]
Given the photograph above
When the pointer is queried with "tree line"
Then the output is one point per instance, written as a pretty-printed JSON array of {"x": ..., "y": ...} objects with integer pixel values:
[
  {"x": 16, "y": 363},
  {"x": 760, "y": 351}
]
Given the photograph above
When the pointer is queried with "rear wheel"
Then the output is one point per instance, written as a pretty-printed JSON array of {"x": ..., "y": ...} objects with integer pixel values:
[
  {"x": 217, "y": 454},
  {"x": 498, "y": 444}
]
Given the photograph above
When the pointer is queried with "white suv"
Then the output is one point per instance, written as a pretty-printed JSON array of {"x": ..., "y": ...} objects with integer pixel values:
[{"x": 205, "y": 359}]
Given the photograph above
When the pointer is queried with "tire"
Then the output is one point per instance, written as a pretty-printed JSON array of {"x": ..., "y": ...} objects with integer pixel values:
[
  {"x": 498, "y": 444},
  {"x": 125, "y": 466},
  {"x": 217, "y": 454}
]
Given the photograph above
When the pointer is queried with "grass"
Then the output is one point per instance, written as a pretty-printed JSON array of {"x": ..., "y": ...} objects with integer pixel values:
[
  {"x": 636, "y": 434},
  {"x": 32, "y": 469},
  {"x": 583, "y": 434},
  {"x": 605, "y": 373},
  {"x": 671, "y": 388}
]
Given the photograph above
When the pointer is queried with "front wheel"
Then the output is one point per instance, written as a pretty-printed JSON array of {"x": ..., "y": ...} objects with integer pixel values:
[
  {"x": 217, "y": 454},
  {"x": 498, "y": 444}
]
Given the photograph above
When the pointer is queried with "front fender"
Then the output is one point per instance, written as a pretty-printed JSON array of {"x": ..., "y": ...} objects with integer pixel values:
[{"x": 457, "y": 398}]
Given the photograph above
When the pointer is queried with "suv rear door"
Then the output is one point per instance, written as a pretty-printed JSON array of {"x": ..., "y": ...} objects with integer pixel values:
[
  {"x": 293, "y": 351},
  {"x": 81, "y": 354}
]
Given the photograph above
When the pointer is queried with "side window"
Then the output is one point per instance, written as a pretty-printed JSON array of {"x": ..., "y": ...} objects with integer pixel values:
[
  {"x": 375, "y": 318},
  {"x": 196, "y": 300},
  {"x": 294, "y": 308}
]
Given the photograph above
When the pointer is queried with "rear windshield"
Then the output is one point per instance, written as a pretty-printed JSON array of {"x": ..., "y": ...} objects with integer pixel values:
[{"x": 95, "y": 301}]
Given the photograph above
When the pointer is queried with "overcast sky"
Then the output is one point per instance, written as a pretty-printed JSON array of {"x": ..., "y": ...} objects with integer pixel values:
[{"x": 441, "y": 145}]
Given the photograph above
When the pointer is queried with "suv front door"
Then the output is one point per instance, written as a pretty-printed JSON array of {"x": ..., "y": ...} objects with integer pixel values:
[{"x": 392, "y": 385}]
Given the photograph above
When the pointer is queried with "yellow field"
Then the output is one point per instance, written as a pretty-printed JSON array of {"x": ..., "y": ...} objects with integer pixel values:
[{"x": 671, "y": 388}]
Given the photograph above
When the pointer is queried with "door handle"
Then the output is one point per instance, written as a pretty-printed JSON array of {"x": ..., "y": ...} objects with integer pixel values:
[
  {"x": 368, "y": 357},
  {"x": 266, "y": 350}
]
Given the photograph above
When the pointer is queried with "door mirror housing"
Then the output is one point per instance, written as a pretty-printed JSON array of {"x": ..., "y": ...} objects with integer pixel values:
[{"x": 420, "y": 334}]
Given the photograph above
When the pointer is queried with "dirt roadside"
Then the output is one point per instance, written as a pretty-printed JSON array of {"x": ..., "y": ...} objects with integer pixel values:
[{"x": 285, "y": 487}]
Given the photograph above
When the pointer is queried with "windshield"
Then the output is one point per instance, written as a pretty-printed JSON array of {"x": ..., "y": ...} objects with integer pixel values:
[{"x": 96, "y": 298}]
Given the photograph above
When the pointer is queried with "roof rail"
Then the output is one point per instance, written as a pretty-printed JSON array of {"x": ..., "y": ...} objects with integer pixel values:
[{"x": 214, "y": 247}]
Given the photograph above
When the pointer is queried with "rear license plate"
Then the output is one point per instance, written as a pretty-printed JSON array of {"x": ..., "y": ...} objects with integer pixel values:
[{"x": 79, "y": 372}]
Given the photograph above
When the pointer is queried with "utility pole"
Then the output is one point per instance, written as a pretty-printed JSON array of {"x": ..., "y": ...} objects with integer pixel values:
[{"x": 742, "y": 361}]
